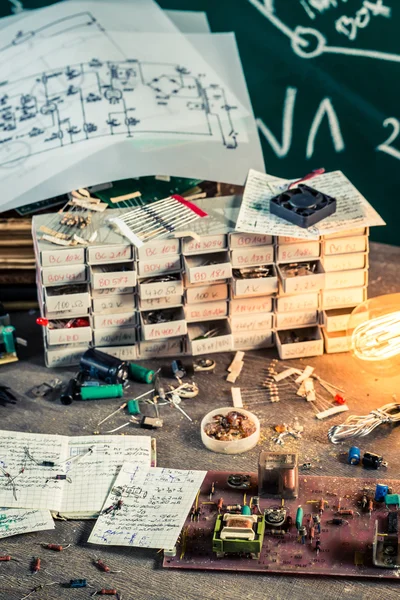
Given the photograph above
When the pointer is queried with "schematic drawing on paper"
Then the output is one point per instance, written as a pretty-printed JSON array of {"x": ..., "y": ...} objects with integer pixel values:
[{"x": 75, "y": 103}]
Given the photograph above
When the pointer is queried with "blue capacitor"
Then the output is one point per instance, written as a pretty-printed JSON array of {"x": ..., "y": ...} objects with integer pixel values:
[
  {"x": 354, "y": 456},
  {"x": 299, "y": 517},
  {"x": 380, "y": 492}
]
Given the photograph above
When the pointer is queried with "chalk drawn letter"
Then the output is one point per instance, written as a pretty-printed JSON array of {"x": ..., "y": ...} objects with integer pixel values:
[
  {"x": 281, "y": 149},
  {"x": 325, "y": 108}
]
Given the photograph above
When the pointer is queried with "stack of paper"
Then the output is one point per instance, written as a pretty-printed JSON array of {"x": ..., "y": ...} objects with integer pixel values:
[{"x": 100, "y": 91}]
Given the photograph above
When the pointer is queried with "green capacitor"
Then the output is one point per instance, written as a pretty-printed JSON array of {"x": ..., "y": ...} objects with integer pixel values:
[
  {"x": 246, "y": 510},
  {"x": 299, "y": 517},
  {"x": 101, "y": 391},
  {"x": 8, "y": 339},
  {"x": 133, "y": 407},
  {"x": 141, "y": 374}
]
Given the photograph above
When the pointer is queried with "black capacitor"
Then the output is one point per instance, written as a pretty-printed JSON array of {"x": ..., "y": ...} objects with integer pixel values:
[
  {"x": 372, "y": 461},
  {"x": 178, "y": 369},
  {"x": 103, "y": 366},
  {"x": 71, "y": 392}
]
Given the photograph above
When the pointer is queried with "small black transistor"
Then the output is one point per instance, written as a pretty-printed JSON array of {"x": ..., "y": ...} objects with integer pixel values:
[
  {"x": 303, "y": 206},
  {"x": 372, "y": 461}
]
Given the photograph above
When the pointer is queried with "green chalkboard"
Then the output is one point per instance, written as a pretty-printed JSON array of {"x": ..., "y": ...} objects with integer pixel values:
[{"x": 324, "y": 79}]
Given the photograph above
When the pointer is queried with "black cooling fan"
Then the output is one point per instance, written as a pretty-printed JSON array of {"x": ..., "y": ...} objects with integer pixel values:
[{"x": 303, "y": 206}]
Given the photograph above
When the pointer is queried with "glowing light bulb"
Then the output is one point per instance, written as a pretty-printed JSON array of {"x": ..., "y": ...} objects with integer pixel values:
[{"x": 374, "y": 328}]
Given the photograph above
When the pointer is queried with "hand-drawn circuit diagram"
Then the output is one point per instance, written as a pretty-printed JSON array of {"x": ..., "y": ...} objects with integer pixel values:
[{"x": 130, "y": 98}]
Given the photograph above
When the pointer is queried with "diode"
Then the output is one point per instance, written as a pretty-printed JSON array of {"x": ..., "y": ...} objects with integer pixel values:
[
  {"x": 78, "y": 583},
  {"x": 36, "y": 564},
  {"x": 212, "y": 490},
  {"x": 55, "y": 547},
  {"x": 318, "y": 546}
]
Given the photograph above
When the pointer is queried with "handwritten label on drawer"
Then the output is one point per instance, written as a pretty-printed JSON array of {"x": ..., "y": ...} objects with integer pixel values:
[
  {"x": 62, "y": 275},
  {"x": 172, "y": 347},
  {"x": 245, "y": 240},
  {"x": 207, "y": 243},
  {"x": 346, "y": 245},
  {"x": 345, "y": 279},
  {"x": 243, "y": 306},
  {"x": 51, "y": 258},
  {"x": 118, "y": 303},
  {"x": 122, "y": 352},
  {"x": 65, "y": 357},
  {"x": 111, "y": 292},
  {"x": 255, "y": 287},
  {"x": 153, "y": 303},
  {"x": 160, "y": 289},
  {"x": 345, "y": 297},
  {"x": 114, "y": 336},
  {"x": 349, "y": 232},
  {"x": 207, "y": 293},
  {"x": 261, "y": 255},
  {"x": 113, "y": 279},
  {"x": 210, "y": 273},
  {"x": 223, "y": 343},
  {"x": 344, "y": 262},
  {"x": 68, "y": 302},
  {"x": 161, "y": 265},
  {"x": 116, "y": 320},
  {"x": 302, "y": 250},
  {"x": 205, "y": 310},
  {"x": 69, "y": 336},
  {"x": 338, "y": 342},
  {"x": 106, "y": 254},
  {"x": 159, "y": 248},
  {"x": 298, "y": 302},
  {"x": 260, "y": 322},
  {"x": 163, "y": 330},
  {"x": 249, "y": 340},
  {"x": 296, "y": 319}
]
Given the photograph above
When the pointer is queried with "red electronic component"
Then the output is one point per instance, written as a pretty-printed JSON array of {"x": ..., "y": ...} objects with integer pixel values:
[
  {"x": 339, "y": 399},
  {"x": 102, "y": 566},
  {"x": 5, "y": 558},
  {"x": 36, "y": 564},
  {"x": 55, "y": 547},
  {"x": 42, "y": 321}
]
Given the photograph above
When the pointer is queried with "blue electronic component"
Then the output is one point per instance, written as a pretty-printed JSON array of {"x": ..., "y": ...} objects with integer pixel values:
[
  {"x": 381, "y": 491},
  {"x": 354, "y": 456}
]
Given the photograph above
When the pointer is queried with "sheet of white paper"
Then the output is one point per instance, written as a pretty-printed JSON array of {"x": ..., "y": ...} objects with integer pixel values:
[
  {"x": 14, "y": 521},
  {"x": 189, "y": 21},
  {"x": 155, "y": 505},
  {"x": 25, "y": 483},
  {"x": 353, "y": 210},
  {"x": 35, "y": 486},
  {"x": 221, "y": 156},
  {"x": 93, "y": 476}
]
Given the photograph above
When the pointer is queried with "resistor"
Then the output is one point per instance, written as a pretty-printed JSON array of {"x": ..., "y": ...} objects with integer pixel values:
[
  {"x": 337, "y": 521},
  {"x": 106, "y": 592},
  {"x": 312, "y": 532},
  {"x": 321, "y": 506},
  {"x": 276, "y": 531},
  {"x": 370, "y": 506},
  {"x": 231, "y": 507},
  {"x": 212, "y": 490},
  {"x": 5, "y": 558},
  {"x": 345, "y": 512},
  {"x": 36, "y": 564},
  {"x": 102, "y": 566},
  {"x": 55, "y": 547},
  {"x": 220, "y": 504}
]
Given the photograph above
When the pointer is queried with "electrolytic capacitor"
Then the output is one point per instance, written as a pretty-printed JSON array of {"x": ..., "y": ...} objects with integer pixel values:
[
  {"x": 380, "y": 492},
  {"x": 100, "y": 365},
  {"x": 354, "y": 456},
  {"x": 141, "y": 374}
]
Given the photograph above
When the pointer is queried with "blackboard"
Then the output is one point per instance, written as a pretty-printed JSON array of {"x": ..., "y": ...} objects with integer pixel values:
[{"x": 324, "y": 79}]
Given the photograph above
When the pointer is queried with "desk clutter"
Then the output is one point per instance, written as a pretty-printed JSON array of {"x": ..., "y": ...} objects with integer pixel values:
[{"x": 199, "y": 291}]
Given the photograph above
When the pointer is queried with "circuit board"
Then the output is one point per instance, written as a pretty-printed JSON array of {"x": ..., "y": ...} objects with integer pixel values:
[{"x": 346, "y": 550}]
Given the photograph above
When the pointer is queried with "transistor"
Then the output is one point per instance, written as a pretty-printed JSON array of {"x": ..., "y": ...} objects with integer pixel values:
[
  {"x": 373, "y": 461},
  {"x": 148, "y": 422},
  {"x": 61, "y": 477}
]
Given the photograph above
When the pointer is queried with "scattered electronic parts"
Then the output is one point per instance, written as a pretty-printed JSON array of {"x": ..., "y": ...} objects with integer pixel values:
[
  {"x": 354, "y": 456},
  {"x": 8, "y": 340},
  {"x": 230, "y": 427},
  {"x": 278, "y": 475},
  {"x": 373, "y": 461},
  {"x": 156, "y": 220},
  {"x": 303, "y": 206},
  {"x": 47, "y": 388}
]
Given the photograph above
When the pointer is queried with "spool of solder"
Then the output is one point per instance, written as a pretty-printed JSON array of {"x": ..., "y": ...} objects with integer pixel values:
[
  {"x": 102, "y": 391},
  {"x": 141, "y": 374}
]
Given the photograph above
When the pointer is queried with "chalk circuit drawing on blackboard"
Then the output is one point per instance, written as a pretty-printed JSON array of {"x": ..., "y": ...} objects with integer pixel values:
[
  {"x": 66, "y": 106},
  {"x": 309, "y": 42}
]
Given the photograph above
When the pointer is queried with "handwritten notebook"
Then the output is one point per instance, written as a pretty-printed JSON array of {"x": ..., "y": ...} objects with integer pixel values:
[
  {"x": 352, "y": 210},
  {"x": 147, "y": 507},
  {"x": 71, "y": 476},
  {"x": 14, "y": 521}
]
